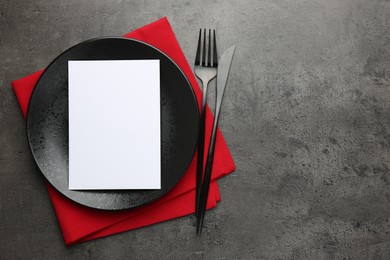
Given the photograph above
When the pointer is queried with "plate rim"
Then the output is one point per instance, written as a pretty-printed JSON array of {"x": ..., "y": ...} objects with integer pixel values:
[{"x": 185, "y": 168}]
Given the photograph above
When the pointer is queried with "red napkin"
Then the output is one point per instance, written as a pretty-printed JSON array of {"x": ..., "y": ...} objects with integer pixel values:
[{"x": 80, "y": 223}]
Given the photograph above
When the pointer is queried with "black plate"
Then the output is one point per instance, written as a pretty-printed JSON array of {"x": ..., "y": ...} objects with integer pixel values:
[{"x": 47, "y": 122}]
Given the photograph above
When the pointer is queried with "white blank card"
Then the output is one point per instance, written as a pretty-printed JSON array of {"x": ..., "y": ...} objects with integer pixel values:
[{"x": 114, "y": 125}]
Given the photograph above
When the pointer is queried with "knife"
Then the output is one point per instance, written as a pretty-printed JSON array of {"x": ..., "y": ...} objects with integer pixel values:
[{"x": 222, "y": 77}]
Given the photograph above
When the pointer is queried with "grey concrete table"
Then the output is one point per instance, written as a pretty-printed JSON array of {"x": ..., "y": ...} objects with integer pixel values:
[{"x": 306, "y": 115}]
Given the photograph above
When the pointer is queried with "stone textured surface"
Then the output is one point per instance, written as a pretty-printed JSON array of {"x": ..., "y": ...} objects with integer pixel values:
[{"x": 306, "y": 115}]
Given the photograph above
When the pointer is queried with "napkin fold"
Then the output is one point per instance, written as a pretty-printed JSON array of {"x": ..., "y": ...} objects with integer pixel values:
[{"x": 79, "y": 223}]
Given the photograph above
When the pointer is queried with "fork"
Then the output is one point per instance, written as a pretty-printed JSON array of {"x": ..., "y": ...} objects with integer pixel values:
[{"x": 206, "y": 64}]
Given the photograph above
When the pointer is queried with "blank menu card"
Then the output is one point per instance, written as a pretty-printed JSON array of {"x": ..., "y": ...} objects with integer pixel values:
[{"x": 114, "y": 125}]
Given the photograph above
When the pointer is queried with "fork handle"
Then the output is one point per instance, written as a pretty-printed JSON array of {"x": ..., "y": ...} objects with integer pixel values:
[
  {"x": 202, "y": 126},
  {"x": 204, "y": 192}
]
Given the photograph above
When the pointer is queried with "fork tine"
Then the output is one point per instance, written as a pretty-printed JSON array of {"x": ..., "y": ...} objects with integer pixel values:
[
  {"x": 212, "y": 51},
  {"x": 197, "y": 58},
  {"x": 204, "y": 48},
  {"x": 209, "y": 50},
  {"x": 215, "y": 56}
]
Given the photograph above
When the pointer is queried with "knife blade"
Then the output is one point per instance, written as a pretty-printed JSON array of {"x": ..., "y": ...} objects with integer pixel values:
[{"x": 222, "y": 74}]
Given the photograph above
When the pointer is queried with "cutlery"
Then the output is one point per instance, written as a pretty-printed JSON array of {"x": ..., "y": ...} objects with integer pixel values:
[
  {"x": 222, "y": 77},
  {"x": 206, "y": 64}
]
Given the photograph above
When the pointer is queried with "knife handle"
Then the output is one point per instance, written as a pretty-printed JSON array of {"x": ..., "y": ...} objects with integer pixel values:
[{"x": 204, "y": 192}]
